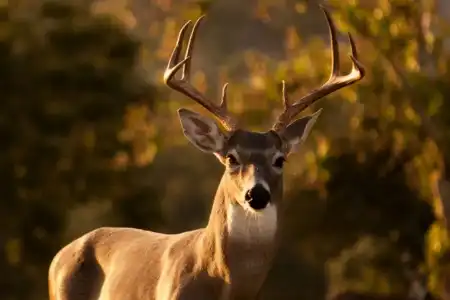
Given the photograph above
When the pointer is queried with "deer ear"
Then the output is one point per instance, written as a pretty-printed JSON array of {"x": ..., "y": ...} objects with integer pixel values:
[
  {"x": 297, "y": 132},
  {"x": 201, "y": 131}
]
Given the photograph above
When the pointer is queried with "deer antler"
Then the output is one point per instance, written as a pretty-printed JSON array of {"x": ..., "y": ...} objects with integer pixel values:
[
  {"x": 185, "y": 87},
  {"x": 334, "y": 83}
]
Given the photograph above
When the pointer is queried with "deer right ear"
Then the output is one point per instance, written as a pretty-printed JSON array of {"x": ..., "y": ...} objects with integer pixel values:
[
  {"x": 297, "y": 132},
  {"x": 201, "y": 131}
]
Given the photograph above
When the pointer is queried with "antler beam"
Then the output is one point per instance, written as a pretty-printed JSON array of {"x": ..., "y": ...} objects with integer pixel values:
[
  {"x": 183, "y": 85},
  {"x": 334, "y": 83}
]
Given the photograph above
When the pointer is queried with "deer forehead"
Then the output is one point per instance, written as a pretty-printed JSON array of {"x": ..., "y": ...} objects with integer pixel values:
[
  {"x": 255, "y": 140},
  {"x": 247, "y": 144},
  {"x": 256, "y": 161}
]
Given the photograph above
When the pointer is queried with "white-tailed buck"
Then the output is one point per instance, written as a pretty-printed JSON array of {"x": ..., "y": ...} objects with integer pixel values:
[{"x": 231, "y": 256}]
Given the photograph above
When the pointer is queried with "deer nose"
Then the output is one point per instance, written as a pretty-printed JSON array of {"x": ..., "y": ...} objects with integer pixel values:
[{"x": 257, "y": 197}]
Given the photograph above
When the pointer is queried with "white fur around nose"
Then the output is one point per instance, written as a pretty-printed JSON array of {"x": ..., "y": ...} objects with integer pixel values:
[{"x": 253, "y": 226}]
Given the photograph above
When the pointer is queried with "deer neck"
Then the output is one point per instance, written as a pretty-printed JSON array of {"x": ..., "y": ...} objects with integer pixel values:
[{"x": 239, "y": 242}]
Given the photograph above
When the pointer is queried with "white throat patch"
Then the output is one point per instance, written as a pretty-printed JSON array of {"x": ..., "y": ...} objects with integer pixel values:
[{"x": 253, "y": 226}]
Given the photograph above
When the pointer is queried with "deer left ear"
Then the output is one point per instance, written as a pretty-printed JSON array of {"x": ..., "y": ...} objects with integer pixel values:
[
  {"x": 297, "y": 132},
  {"x": 201, "y": 131}
]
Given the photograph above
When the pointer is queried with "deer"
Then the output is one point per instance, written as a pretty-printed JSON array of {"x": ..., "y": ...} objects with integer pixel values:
[{"x": 230, "y": 257}]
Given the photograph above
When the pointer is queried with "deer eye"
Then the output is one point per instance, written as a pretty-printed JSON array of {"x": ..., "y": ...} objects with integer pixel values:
[
  {"x": 279, "y": 162},
  {"x": 232, "y": 160}
]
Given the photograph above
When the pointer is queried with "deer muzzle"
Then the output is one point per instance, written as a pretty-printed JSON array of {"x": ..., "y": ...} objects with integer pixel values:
[{"x": 258, "y": 197}]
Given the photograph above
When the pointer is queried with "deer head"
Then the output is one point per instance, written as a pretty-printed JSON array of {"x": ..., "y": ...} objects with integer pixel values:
[{"x": 253, "y": 160}]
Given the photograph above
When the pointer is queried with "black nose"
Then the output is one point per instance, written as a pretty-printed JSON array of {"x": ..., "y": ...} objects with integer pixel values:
[{"x": 258, "y": 197}]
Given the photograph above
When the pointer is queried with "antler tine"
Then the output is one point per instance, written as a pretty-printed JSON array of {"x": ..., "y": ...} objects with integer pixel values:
[
  {"x": 334, "y": 83},
  {"x": 183, "y": 85},
  {"x": 284, "y": 94},
  {"x": 223, "y": 102},
  {"x": 187, "y": 66}
]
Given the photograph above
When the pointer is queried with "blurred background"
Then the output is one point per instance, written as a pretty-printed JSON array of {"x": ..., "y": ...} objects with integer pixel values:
[{"x": 89, "y": 135}]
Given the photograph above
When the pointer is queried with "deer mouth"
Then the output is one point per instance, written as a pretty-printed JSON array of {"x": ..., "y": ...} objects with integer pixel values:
[{"x": 258, "y": 204}]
